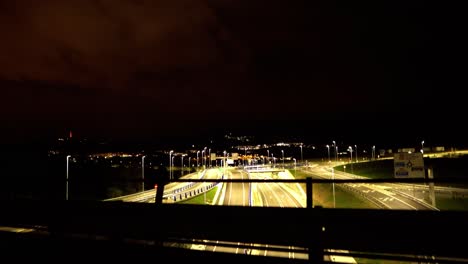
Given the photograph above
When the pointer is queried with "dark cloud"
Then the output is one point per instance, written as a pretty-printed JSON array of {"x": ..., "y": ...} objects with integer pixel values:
[{"x": 157, "y": 67}]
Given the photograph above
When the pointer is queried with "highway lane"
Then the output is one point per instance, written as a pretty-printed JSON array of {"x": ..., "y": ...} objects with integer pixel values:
[
  {"x": 381, "y": 192},
  {"x": 237, "y": 194},
  {"x": 273, "y": 195}
]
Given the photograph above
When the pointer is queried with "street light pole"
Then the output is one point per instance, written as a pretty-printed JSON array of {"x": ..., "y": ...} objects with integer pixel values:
[
  {"x": 294, "y": 167},
  {"x": 422, "y": 147},
  {"x": 197, "y": 157},
  {"x": 66, "y": 191},
  {"x": 204, "y": 155},
  {"x": 355, "y": 149},
  {"x": 302, "y": 158},
  {"x": 373, "y": 152},
  {"x": 351, "y": 153},
  {"x": 209, "y": 156},
  {"x": 182, "y": 156},
  {"x": 224, "y": 163},
  {"x": 143, "y": 173},
  {"x": 172, "y": 174},
  {"x": 328, "y": 149},
  {"x": 336, "y": 153},
  {"x": 170, "y": 164},
  {"x": 335, "y": 148}
]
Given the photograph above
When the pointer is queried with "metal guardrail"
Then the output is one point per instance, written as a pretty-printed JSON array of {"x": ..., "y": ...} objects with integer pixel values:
[
  {"x": 377, "y": 234},
  {"x": 144, "y": 231}
]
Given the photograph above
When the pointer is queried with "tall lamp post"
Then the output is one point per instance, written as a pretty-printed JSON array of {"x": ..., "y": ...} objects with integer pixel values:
[
  {"x": 335, "y": 148},
  {"x": 302, "y": 158},
  {"x": 351, "y": 153},
  {"x": 336, "y": 153},
  {"x": 355, "y": 149},
  {"x": 422, "y": 147},
  {"x": 328, "y": 149},
  {"x": 182, "y": 164},
  {"x": 282, "y": 153},
  {"x": 172, "y": 174},
  {"x": 197, "y": 156},
  {"x": 66, "y": 191},
  {"x": 294, "y": 167},
  {"x": 373, "y": 152},
  {"x": 143, "y": 173},
  {"x": 170, "y": 164},
  {"x": 224, "y": 163},
  {"x": 209, "y": 156},
  {"x": 204, "y": 155}
]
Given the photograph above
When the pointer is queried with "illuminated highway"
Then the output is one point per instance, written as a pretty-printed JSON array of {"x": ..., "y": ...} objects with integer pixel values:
[
  {"x": 174, "y": 190},
  {"x": 262, "y": 194},
  {"x": 381, "y": 194}
]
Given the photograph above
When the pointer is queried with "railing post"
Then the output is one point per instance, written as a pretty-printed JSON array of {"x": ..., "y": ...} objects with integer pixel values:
[
  {"x": 315, "y": 243},
  {"x": 316, "y": 250},
  {"x": 309, "y": 202},
  {"x": 159, "y": 193}
]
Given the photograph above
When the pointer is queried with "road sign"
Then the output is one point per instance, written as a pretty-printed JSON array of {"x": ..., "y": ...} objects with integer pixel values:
[
  {"x": 213, "y": 156},
  {"x": 408, "y": 165},
  {"x": 235, "y": 156}
]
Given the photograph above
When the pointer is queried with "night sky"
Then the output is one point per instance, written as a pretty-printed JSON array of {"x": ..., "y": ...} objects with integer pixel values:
[{"x": 172, "y": 69}]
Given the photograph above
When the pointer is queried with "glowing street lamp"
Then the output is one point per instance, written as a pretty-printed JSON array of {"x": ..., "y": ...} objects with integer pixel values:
[
  {"x": 328, "y": 149},
  {"x": 170, "y": 164},
  {"x": 224, "y": 163},
  {"x": 143, "y": 173},
  {"x": 422, "y": 147},
  {"x": 355, "y": 149},
  {"x": 197, "y": 157},
  {"x": 182, "y": 162},
  {"x": 294, "y": 167},
  {"x": 335, "y": 148},
  {"x": 172, "y": 174},
  {"x": 302, "y": 159},
  {"x": 282, "y": 153},
  {"x": 336, "y": 153},
  {"x": 204, "y": 155},
  {"x": 351, "y": 153},
  {"x": 66, "y": 192}
]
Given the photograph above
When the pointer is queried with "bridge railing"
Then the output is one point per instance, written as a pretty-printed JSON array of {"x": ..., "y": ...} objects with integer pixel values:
[{"x": 156, "y": 229}]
